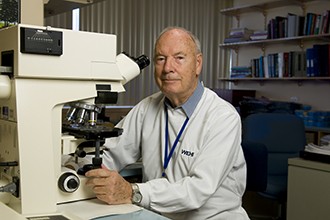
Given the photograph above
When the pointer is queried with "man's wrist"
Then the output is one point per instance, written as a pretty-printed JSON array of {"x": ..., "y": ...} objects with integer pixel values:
[{"x": 136, "y": 194}]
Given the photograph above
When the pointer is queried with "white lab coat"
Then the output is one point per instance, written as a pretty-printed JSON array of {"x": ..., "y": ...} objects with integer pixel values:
[{"x": 207, "y": 173}]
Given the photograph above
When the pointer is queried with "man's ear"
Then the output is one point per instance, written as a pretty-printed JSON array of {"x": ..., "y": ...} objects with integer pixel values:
[{"x": 199, "y": 63}]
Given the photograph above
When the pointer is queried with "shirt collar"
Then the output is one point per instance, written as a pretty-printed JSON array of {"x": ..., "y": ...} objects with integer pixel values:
[{"x": 189, "y": 106}]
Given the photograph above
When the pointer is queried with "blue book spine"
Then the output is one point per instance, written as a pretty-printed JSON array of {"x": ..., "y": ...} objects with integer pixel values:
[
  {"x": 309, "y": 62},
  {"x": 261, "y": 67}
]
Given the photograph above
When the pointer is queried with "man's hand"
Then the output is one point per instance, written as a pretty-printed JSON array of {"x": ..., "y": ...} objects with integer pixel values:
[{"x": 109, "y": 186}]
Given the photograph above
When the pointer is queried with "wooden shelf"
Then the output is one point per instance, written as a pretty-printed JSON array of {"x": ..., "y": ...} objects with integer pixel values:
[
  {"x": 276, "y": 78},
  {"x": 261, "y": 43},
  {"x": 262, "y": 81},
  {"x": 261, "y": 7}
]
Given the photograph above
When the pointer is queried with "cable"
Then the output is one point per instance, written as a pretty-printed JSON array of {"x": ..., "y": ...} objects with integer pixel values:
[{"x": 10, "y": 187}]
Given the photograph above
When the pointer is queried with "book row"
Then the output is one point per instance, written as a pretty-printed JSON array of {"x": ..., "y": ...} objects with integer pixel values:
[
  {"x": 313, "y": 62},
  {"x": 295, "y": 25},
  {"x": 283, "y": 27}
]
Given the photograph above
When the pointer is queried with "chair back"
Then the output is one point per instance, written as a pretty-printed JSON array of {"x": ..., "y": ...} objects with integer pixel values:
[
  {"x": 283, "y": 134},
  {"x": 256, "y": 157}
]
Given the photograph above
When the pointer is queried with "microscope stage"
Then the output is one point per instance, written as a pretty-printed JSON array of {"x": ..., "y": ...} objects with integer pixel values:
[{"x": 92, "y": 132}]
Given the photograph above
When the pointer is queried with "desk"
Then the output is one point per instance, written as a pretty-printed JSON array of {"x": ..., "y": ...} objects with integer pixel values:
[
  {"x": 143, "y": 214},
  {"x": 8, "y": 213},
  {"x": 308, "y": 190}
]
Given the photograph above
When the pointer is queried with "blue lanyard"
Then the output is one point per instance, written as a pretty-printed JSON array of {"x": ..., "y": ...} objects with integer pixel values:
[{"x": 167, "y": 157}]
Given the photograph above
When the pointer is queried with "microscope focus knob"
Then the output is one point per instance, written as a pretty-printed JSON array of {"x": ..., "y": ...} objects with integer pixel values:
[{"x": 68, "y": 182}]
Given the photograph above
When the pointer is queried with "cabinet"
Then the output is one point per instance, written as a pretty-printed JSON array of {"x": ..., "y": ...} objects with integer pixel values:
[
  {"x": 308, "y": 190},
  {"x": 300, "y": 41}
]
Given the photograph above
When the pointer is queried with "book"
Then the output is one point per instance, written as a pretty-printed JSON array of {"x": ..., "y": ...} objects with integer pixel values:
[
  {"x": 309, "y": 19},
  {"x": 271, "y": 66},
  {"x": 298, "y": 65},
  {"x": 280, "y": 64},
  {"x": 266, "y": 66},
  {"x": 328, "y": 59},
  {"x": 240, "y": 32},
  {"x": 235, "y": 39},
  {"x": 238, "y": 35},
  {"x": 301, "y": 22},
  {"x": 275, "y": 68},
  {"x": 240, "y": 72},
  {"x": 280, "y": 26},
  {"x": 276, "y": 27},
  {"x": 321, "y": 59},
  {"x": 261, "y": 67},
  {"x": 325, "y": 23},
  {"x": 259, "y": 35},
  {"x": 318, "y": 21},
  {"x": 286, "y": 64},
  {"x": 316, "y": 59},
  {"x": 312, "y": 24},
  {"x": 292, "y": 25},
  {"x": 310, "y": 62}
]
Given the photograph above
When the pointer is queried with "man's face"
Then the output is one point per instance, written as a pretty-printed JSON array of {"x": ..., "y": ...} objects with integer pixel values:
[{"x": 177, "y": 65}]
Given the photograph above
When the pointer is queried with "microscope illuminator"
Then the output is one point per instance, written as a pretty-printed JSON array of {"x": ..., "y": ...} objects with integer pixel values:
[{"x": 39, "y": 41}]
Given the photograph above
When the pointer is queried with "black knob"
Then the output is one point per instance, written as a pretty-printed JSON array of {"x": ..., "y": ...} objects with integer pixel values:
[
  {"x": 68, "y": 182},
  {"x": 72, "y": 184}
]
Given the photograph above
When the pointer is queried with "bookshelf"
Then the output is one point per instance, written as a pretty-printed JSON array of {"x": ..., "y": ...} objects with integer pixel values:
[
  {"x": 263, "y": 43},
  {"x": 300, "y": 41},
  {"x": 262, "y": 7},
  {"x": 262, "y": 81}
]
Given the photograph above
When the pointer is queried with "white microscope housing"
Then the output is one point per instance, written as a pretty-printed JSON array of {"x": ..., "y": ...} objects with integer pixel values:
[{"x": 43, "y": 69}]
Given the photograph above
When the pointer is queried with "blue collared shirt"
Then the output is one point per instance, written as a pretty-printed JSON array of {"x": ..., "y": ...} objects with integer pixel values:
[{"x": 189, "y": 106}]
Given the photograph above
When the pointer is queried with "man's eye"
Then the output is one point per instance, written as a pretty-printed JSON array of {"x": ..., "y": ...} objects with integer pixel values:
[
  {"x": 160, "y": 59},
  {"x": 179, "y": 58}
]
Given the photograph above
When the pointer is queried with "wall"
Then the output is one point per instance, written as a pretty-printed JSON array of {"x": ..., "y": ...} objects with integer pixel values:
[
  {"x": 137, "y": 24},
  {"x": 314, "y": 93},
  {"x": 32, "y": 12}
]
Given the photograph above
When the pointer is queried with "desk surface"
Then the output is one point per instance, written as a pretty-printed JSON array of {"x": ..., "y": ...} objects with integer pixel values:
[
  {"x": 8, "y": 213},
  {"x": 300, "y": 162},
  {"x": 143, "y": 214}
]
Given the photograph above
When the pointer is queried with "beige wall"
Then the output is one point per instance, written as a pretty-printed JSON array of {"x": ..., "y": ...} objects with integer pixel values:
[
  {"x": 137, "y": 23},
  {"x": 32, "y": 12}
]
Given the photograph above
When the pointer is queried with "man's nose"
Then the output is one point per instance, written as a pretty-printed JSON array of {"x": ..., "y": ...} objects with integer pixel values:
[{"x": 168, "y": 66}]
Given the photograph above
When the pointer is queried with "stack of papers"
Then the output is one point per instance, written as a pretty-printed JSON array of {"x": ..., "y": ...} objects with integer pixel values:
[{"x": 313, "y": 148}]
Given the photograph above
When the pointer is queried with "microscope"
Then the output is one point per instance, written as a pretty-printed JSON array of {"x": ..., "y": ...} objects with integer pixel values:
[{"x": 43, "y": 72}]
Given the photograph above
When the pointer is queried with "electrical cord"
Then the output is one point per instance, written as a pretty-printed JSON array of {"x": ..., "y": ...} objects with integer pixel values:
[{"x": 10, "y": 187}]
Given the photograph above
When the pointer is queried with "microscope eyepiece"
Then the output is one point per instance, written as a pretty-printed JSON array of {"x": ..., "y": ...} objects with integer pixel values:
[{"x": 142, "y": 61}]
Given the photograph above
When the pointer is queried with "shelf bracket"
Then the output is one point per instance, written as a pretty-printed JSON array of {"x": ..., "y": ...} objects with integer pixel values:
[
  {"x": 301, "y": 44},
  {"x": 238, "y": 20},
  {"x": 236, "y": 49},
  {"x": 261, "y": 83},
  {"x": 263, "y": 49},
  {"x": 303, "y": 8},
  {"x": 264, "y": 13}
]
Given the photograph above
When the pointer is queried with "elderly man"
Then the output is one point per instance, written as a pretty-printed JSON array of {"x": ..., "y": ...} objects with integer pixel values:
[{"x": 189, "y": 140}]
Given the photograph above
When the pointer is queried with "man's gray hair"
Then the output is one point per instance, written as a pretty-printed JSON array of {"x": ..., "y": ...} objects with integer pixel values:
[{"x": 193, "y": 37}]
